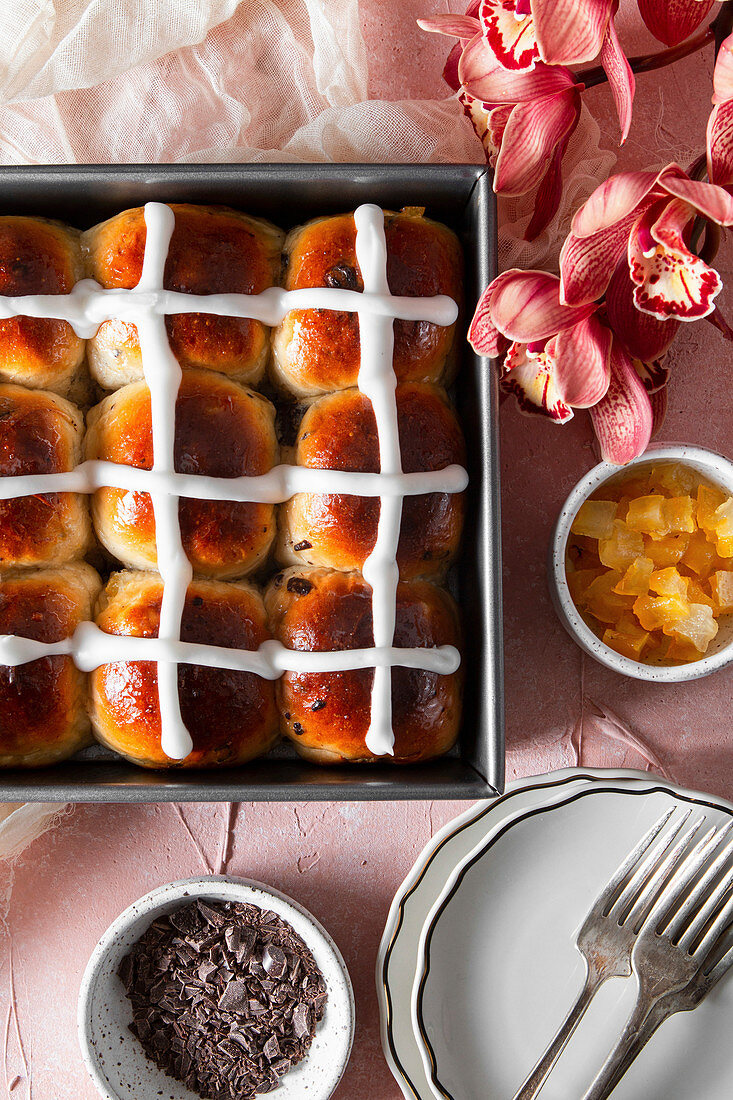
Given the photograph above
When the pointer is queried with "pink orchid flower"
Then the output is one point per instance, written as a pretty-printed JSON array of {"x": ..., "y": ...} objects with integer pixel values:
[
  {"x": 556, "y": 357},
  {"x": 646, "y": 218},
  {"x": 672, "y": 21},
  {"x": 720, "y": 123},
  {"x": 519, "y": 35}
]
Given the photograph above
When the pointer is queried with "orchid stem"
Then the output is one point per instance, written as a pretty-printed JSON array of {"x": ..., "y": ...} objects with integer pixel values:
[{"x": 646, "y": 63}]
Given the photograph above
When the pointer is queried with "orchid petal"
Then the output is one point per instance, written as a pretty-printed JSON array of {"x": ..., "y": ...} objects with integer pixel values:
[
  {"x": 587, "y": 263},
  {"x": 570, "y": 31},
  {"x": 455, "y": 26},
  {"x": 720, "y": 144},
  {"x": 620, "y": 78},
  {"x": 654, "y": 375},
  {"x": 658, "y": 402},
  {"x": 582, "y": 371},
  {"x": 531, "y": 379},
  {"x": 670, "y": 280},
  {"x": 623, "y": 419},
  {"x": 509, "y": 35},
  {"x": 718, "y": 321},
  {"x": 710, "y": 200},
  {"x": 549, "y": 193},
  {"x": 643, "y": 336},
  {"x": 532, "y": 133},
  {"x": 527, "y": 307},
  {"x": 483, "y": 335},
  {"x": 488, "y": 123},
  {"x": 612, "y": 201},
  {"x": 671, "y": 21},
  {"x": 450, "y": 69},
  {"x": 723, "y": 72},
  {"x": 483, "y": 77}
]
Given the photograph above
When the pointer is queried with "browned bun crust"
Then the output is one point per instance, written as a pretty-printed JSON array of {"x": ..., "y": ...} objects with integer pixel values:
[
  {"x": 338, "y": 432},
  {"x": 38, "y": 257},
  {"x": 213, "y": 250},
  {"x": 40, "y": 433},
  {"x": 222, "y": 429},
  {"x": 326, "y": 715},
  {"x": 231, "y": 716},
  {"x": 43, "y": 715},
  {"x": 315, "y": 351}
]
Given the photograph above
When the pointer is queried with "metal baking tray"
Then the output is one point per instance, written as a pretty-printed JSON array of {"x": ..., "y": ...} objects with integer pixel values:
[{"x": 289, "y": 194}]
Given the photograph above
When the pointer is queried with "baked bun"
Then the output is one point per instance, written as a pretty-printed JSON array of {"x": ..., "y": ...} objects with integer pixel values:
[
  {"x": 43, "y": 714},
  {"x": 38, "y": 257},
  {"x": 40, "y": 433},
  {"x": 213, "y": 250},
  {"x": 231, "y": 716},
  {"x": 338, "y": 432},
  {"x": 315, "y": 351},
  {"x": 222, "y": 429},
  {"x": 326, "y": 714}
]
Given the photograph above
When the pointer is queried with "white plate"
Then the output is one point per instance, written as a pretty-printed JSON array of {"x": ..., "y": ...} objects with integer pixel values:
[
  {"x": 498, "y": 969},
  {"x": 398, "y": 952}
]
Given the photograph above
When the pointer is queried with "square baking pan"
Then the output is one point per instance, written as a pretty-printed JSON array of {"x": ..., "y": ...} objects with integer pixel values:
[{"x": 289, "y": 194}]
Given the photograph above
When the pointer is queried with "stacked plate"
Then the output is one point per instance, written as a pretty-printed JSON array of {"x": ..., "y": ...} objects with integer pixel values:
[{"x": 478, "y": 967}]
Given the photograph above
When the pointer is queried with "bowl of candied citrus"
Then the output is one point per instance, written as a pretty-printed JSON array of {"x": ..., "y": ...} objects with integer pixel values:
[{"x": 641, "y": 566}]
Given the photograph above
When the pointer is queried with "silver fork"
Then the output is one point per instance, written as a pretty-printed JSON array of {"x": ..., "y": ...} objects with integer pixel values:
[
  {"x": 609, "y": 932},
  {"x": 684, "y": 949}
]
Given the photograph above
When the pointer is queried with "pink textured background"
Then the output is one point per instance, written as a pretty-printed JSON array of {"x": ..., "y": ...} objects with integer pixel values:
[{"x": 345, "y": 861}]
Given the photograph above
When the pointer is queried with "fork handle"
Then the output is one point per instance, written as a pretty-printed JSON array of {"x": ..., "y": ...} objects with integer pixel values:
[
  {"x": 540, "y": 1073},
  {"x": 643, "y": 1022}
]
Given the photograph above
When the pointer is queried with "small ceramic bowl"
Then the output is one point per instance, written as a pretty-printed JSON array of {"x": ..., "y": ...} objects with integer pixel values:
[
  {"x": 115, "y": 1059},
  {"x": 716, "y": 469}
]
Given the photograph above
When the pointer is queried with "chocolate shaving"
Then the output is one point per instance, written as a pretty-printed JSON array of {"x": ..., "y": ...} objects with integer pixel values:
[{"x": 225, "y": 997}]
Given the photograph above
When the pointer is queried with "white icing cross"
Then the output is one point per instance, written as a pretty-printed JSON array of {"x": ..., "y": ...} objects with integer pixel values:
[{"x": 147, "y": 306}]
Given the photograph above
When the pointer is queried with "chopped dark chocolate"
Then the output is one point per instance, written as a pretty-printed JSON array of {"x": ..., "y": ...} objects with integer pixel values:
[{"x": 225, "y": 997}]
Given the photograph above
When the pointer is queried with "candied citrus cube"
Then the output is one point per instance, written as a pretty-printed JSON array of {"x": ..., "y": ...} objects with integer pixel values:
[
  {"x": 721, "y": 586},
  {"x": 724, "y": 548},
  {"x": 655, "y": 651},
  {"x": 603, "y": 603},
  {"x": 673, "y": 479},
  {"x": 635, "y": 581},
  {"x": 679, "y": 650},
  {"x": 723, "y": 519},
  {"x": 595, "y": 519},
  {"x": 668, "y": 582},
  {"x": 697, "y": 594},
  {"x": 698, "y": 628},
  {"x": 679, "y": 514},
  {"x": 645, "y": 515},
  {"x": 654, "y": 612},
  {"x": 628, "y": 638},
  {"x": 700, "y": 554},
  {"x": 583, "y": 552},
  {"x": 666, "y": 551},
  {"x": 659, "y": 516},
  {"x": 621, "y": 548},
  {"x": 709, "y": 500},
  {"x": 579, "y": 580}
]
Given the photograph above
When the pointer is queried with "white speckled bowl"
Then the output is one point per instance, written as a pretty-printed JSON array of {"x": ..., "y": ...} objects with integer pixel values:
[
  {"x": 712, "y": 466},
  {"x": 114, "y": 1057}
]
